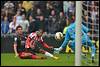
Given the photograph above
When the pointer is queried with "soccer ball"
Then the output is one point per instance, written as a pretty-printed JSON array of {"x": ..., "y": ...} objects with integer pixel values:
[{"x": 58, "y": 36}]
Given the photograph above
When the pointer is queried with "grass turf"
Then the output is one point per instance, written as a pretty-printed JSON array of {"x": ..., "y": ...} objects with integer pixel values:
[{"x": 8, "y": 59}]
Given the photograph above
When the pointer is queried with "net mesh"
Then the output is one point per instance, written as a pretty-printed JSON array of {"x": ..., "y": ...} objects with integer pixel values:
[{"x": 90, "y": 17}]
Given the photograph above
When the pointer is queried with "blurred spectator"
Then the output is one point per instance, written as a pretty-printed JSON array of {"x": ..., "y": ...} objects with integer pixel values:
[
  {"x": 41, "y": 5},
  {"x": 5, "y": 26},
  {"x": 31, "y": 25},
  {"x": 8, "y": 5},
  {"x": 6, "y": 13},
  {"x": 9, "y": 15},
  {"x": 31, "y": 12},
  {"x": 94, "y": 14},
  {"x": 18, "y": 17},
  {"x": 1, "y": 17},
  {"x": 20, "y": 8},
  {"x": 94, "y": 18},
  {"x": 52, "y": 23},
  {"x": 13, "y": 25},
  {"x": 65, "y": 7},
  {"x": 27, "y": 5},
  {"x": 71, "y": 9},
  {"x": 16, "y": 4},
  {"x": 58, "y": 6},
  {"x": 61, "y": 22},
  {"x": 49, "y": 7},
  {"x": 38, "y": 14},
  {"x": 40, "y": 24},
  {"x": 24, "y": 23}
]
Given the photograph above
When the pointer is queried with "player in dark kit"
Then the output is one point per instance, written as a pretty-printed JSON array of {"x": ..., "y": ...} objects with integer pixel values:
[{"x": 19, "y": 46}]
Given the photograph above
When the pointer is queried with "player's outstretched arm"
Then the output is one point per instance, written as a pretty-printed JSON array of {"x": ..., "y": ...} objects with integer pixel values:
[
  {"x": 15, "y": 50},
  {"x": 66, "y": 40},
  {"x": 45, "y": 45}
]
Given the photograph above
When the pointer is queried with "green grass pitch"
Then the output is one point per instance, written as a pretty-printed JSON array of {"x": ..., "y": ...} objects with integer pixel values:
[{"x": 8, "y": 59}]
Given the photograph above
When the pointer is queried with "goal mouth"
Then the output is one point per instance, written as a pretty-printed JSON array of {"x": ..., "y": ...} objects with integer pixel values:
[{"x": 90, "y": 18}]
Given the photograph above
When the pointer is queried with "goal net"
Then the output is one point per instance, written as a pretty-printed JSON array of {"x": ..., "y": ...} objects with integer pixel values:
[{"x": 90, "y": 18}]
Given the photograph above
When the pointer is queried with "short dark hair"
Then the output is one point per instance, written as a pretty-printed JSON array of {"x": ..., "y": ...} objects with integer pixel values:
[{"x": 18, "y": 27}]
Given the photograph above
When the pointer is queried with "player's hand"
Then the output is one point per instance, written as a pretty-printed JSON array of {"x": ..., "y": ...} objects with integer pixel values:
[
  {"x": 51, "y": 47},
  {"x": 16, "y": 55},
  {"x": 56, "y": 50}
]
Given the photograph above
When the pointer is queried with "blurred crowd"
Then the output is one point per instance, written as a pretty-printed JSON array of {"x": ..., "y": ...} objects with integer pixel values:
[
  {"x": 35, "y": 15},
  {"x": 51, "y": 16}
]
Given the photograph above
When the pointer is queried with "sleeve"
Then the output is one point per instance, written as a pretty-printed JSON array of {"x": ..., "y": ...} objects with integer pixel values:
[
  {"x": 65, "y": 29},
  {"x": 27, "y": 23},
  {"x": 43, "y": 43},
  {"x": 67, "y": 38},
  {"x": 15, "y": 40},
  {"x": 31, "y": 35},
  {"x": 28, "y": 40}
]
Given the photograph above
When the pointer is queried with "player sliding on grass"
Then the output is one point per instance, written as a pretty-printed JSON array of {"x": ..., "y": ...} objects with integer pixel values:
[
  {"x": 33, "y": 39},
  {"x": 70, "y": 35},
  {"x": 19, "y": 46}
]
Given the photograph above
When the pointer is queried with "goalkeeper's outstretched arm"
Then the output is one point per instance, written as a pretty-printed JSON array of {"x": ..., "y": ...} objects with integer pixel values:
[{"x": 65, "y": 42}]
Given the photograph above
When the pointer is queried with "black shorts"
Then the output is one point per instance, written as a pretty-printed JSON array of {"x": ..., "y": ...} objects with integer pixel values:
[{"x": 36, "y": 49}]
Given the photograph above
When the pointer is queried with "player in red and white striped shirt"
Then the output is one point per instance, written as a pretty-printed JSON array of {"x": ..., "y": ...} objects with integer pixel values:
[{"x": 33, "y": 39}]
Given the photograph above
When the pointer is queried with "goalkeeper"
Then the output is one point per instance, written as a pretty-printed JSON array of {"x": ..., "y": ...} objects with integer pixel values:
[{"x": 70, "y": 35}]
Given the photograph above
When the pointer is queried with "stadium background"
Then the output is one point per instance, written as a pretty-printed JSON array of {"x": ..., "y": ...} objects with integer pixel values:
[
  {"x": 58, "y": 6},
  {"x": 57, "y": 15}
]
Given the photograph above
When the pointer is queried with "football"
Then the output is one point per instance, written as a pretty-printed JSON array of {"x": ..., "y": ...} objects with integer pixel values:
[{"x": 58, "y": 36}]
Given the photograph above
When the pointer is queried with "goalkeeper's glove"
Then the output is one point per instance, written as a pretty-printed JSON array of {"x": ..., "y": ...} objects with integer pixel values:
[{"x": 57, "y": 50}]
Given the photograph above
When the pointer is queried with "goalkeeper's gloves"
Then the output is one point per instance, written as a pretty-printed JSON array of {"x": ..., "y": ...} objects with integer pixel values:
[{"x": 57, "y": 50}]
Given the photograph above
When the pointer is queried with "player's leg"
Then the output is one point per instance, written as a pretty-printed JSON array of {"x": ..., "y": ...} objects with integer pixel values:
[
  {"x": 86, "y": 41},
  {"x": 39, "y": 48},
  {"x": 37, "y": 57},
  {"x": 22, "y": 55},
  {"x": 47, "y": 54},
  {"x": 27, "y": 55},
  {"x": 72, "y": 45}
]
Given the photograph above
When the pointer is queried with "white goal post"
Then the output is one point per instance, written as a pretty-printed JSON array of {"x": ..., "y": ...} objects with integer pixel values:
[{"x": 78, "y": 33}]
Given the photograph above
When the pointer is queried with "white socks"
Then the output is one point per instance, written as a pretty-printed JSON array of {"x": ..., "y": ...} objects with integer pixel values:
[
  {"x": 48, "y": 54},
  {"x": 60, "y": 48}
]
